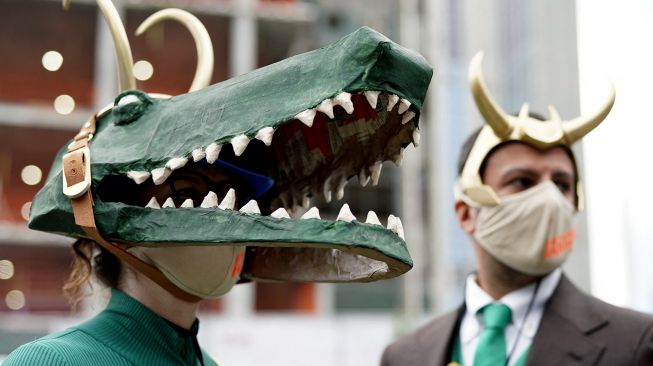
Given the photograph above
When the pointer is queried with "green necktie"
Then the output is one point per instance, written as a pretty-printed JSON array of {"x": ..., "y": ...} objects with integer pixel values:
[{"x": 491, "y": 349}]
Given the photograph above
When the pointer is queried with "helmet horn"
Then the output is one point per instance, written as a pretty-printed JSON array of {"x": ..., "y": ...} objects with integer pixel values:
[
  {"x": 578, "y": 127},
  {"x": 126, "y": 78},
  {"x": 204, "y": 70},
  {"x": 494, "y": 116}
]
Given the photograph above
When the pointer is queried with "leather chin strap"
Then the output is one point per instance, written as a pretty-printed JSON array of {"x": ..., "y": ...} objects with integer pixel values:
[{"x": 77, "y": 179}]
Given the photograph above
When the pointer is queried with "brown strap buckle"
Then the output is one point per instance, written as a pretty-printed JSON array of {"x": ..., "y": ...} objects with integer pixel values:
[
  {"x": 77, "y": 186},
  {"x": 77, "y": 172}
]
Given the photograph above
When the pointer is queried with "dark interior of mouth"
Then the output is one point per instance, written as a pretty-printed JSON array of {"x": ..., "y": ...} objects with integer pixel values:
[{"x": 301, "y": 160}]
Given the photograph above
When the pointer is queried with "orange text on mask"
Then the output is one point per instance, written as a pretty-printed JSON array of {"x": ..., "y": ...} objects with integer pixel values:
[{"x": 559, "y": 244}]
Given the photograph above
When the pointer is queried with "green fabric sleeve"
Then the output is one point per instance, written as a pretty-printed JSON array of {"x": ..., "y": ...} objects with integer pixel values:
[{"x": 35, "y": 353}]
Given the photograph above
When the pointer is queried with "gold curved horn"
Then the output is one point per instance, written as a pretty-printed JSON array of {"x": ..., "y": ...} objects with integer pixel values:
[
  {"x": 524, "y": 111},
  {"x": 575, "y": 129},
  {"x": 494, "y": 116},
  {"x": 124, "y": 58},
  {"x": 553, "y": 113},
  {"x": 203, "y": 43}
]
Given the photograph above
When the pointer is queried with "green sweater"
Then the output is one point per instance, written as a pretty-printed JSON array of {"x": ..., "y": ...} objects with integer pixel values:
[{"x": 125, "y": 333}]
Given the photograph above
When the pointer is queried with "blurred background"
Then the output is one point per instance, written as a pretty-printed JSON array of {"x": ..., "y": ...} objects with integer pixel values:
[{"x": 57, "y": 68}]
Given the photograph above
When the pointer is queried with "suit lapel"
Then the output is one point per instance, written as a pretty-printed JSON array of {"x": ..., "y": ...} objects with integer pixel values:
[
  {"x": 562, "y": 338},
  {"x": 438, "y": 339}
]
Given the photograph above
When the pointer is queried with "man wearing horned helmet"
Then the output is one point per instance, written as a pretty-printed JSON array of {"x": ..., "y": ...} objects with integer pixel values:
[{"x": 517, "y": 193}]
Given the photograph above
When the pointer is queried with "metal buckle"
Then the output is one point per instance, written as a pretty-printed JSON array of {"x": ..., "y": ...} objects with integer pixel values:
[{"x": 78, "y": 189}]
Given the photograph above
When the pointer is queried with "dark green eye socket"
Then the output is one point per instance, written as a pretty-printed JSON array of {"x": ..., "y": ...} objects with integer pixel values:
[{"x": 130, "y": 105}]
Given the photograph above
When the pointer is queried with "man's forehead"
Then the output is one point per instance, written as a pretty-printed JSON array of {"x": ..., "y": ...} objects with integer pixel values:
[{"x": 520, "y": 156}]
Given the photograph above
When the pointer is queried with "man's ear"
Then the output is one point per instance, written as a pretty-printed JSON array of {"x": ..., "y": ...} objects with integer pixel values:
[{"x": 466, "y": 216}]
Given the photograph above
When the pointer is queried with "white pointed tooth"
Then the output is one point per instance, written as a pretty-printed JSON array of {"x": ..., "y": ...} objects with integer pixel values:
[
  {"x": 344, "y": 100},
  {"x": 138, "y": 176},
  {"x": 229, "y": 200},
  {"x": 345, "y": 214},
  {"x": 239, "y": 144},
  {"x": 198, "y": 154},
  {"x": 251, "y": 207},
  {"x": 306, "y": 117},
  {"x": 159, "y": 175},
  {"x": 395, "y": 225},
  {"x": 392, "y": 223},
  {"x": 188, "y": 203},
  {"x": 210, "y": 201},
  {"x": 326, "y": 107},
  {"x": 168, "y": 203},
  {"x": 363, "y": 178},
  {"x": 340, "y": 189},
  {"x": 400, "y": 229},
  {"x": 280, "y": 213},
  {"x": 376, "y": 172},
  {"x": 176, "y": 163},
  {"x": 265, "y": 134},
  {"x": 313, "y": 213},
  {"x": 407, "y": 117},
  {"x": 340, "y": 193},
  {"x": 373, "y": 219},
  {"x": 397, "y": 159},
  {"x": 372, "y": 97},
  {"x": 416, "y": 137},
  {"x": 326, "y": 189},
  {"x": 328, "y": 196},
  {"x": 392, "y": 101},
  {"x": 212, "y": 152},
  {"x": 153, "y": 203},
  {"x": 403, "y": 106}
]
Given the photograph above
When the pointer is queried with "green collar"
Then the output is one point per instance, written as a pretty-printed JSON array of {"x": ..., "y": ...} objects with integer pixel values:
[{"x": 142, "y": 333}]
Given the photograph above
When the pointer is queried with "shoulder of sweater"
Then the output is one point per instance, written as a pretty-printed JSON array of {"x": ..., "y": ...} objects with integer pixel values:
[
  {"x": 42, "y": 351},
  {"x": 60, "y": 348}
]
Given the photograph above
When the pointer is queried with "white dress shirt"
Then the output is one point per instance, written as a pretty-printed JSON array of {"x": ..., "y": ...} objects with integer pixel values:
[{"x": 523, "y": 326}]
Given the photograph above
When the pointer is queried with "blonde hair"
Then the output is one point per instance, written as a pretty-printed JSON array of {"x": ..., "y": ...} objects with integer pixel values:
[{"x": 90, "y": 259}]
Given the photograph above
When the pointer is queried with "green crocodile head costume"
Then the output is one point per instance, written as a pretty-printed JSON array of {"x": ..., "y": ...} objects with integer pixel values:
[{"x": 308, "y": 123}]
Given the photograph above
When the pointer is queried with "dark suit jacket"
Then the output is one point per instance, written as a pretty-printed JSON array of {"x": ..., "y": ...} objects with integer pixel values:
[{"x": 576, "y": 329}]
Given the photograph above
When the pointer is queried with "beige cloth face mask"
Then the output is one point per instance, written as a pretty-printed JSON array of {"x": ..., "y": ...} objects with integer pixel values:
[
  {"x": 203, "y": 271},
  {"x": 531, "y": 231}
]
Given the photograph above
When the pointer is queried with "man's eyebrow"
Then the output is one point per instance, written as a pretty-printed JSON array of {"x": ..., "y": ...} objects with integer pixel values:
[
  {"x": 563, "y": 174},
  {"x": 518, "y": 171}
]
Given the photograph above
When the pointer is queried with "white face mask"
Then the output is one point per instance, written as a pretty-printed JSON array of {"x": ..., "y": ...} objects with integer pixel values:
[
  {"x": 530, "y": 231},
  {"x": 203, "y": 271}
]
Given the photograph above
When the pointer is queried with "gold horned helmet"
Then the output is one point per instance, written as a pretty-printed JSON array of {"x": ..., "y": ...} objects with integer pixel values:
[{"x": 501, "y": 127}]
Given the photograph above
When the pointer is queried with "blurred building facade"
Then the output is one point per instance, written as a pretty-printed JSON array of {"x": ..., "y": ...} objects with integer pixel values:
[{"x": 530, "y": 50}]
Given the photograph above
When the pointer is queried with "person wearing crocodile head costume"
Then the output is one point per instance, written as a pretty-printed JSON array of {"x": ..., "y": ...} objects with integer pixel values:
[
  {"x": 185, "y": 196},
  {"x": 517, "y": 193}
]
